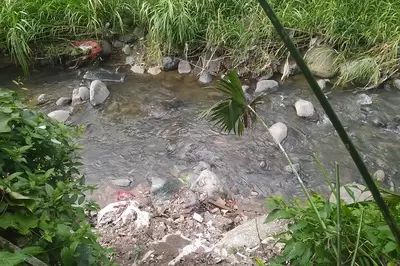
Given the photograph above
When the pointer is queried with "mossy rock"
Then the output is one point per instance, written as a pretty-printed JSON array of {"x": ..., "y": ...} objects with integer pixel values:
[{"x": 322, "y": 61}]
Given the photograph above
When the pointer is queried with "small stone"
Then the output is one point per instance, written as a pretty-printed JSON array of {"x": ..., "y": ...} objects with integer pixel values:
[
  {"x": 322, "y": 84},
  {"x": 42, "y": 98},
  {"x": 84, "y": 93},
  {"x": 130, "y": 60},
  {"x": 197, "y": 217},
  {"x": 184, "y": 67},
  {"x": 267, "y": 76},
  {"x": 154, "y": 70},
  {"x": 379, "y": 175},
  {"x": 170, "y": 63},
  {"x": 304, "y": 108},
  {"x": 63, "y": 101},
  {"x": 265, "y": 86},
  {"x": 396, "y": 83},
  {"x": 117, "y": 44},
  {"x": 278, "y": 131},
  {"x": 59, "y": 115},
  {"x": 214, "y": 210},
  {"x": 121, "y": 182},
  {"x": 98, "y": 92},
  {"x": 263, "y": 164},
  {"x": 245, "y": 88},
  {"x": 205, "y": 78},
  {"x": 137, "y": 69},
  {"x": 289, "y": 169},
  {"x": 254, "y": 193},
  {"x": 126, "y": 49},
  {"x": 76, "y": 97}
]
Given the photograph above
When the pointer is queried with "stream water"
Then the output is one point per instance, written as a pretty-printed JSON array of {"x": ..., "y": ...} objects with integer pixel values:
[{"x": 150, "y": 127}]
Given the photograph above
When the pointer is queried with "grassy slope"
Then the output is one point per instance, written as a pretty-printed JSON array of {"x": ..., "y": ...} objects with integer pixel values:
[{"x": 367, "y": 30}]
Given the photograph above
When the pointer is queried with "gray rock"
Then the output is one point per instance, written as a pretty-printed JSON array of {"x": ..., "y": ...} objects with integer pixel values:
[
  {"x": 98, "y": 92},
  {"x": 200, "y": 167},
  {"x": 63, "y": 101},
  {"x": 117, "y": 44},
  {"x": 396, "y": 83},
  {"x": 205, "y": 78},
  {"x": 59, "y": 115},
  {"x": 267, "y": 76},
  {"x": 379, "y": 175},
  {"x": 264, "y": 86},
  {"x": 137, "y": 69},
  {"x": 263, "y": 164},
  {"x": 184, "y": 67},
  {"x": 121, "y": 182},
  {"x": 170, "y": 63},
  {"x": 154, "y": 71},
  {"x": 127, "y": 38},
  {"x": 359, "y": 192},
  {"x": 321, "y": 61},
  {"x": 84, "y": 93},
  {"x": 126, "y": 49},
  {"x": 248, "y": 234},
  {"x": 42, "y": 98},
  {"x": 289, "y": 169},
  {"x": 364, "y": 99},
  {"x": 322, "y": 84},
  {"x": 304, "y": 108},
  {"x": 245, "y": 88},
  {"x": 278, "y": 131},
  {"x": 208, "y": 183},
  {"x": 130, "y": 60},
  {"x": 76, "y": 97}
]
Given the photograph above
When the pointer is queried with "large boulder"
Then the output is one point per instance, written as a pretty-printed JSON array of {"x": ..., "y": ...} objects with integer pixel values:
[
  {"x": 170, "y": 63},
  {"x": 322, "y": 61},
  {"x": 304, "y": 108},
  {"x": 59, "y": 115},
  {"x": 208, "y": 183},
  {"x": 278, "y": 131},
  {"x": 98, "y": 92},
  {"x": 248, "y": 234},
  {"x": 264, "y": 86},
  {"x": 184, "y": 67}
]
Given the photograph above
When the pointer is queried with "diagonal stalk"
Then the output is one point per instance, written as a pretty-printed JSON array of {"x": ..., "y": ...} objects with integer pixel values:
[
  {"x": 353, "y": 260},
  {"x": 293, "y": 169},
  {"x": 339, "y": 217},
  {"x": 334, "y": 120}
]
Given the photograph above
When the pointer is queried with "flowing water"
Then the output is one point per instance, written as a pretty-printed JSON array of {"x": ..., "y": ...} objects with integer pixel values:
[{"x": 150, "y": 127}]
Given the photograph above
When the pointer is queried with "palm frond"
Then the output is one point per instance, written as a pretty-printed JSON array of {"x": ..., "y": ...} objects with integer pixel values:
[{"x": 233, "y": 113}]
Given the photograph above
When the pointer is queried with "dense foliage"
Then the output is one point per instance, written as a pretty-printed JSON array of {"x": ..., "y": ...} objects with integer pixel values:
[
  {"x": 42, "y": 195},
  {"x": 366, "y": 238},
  {"x": 363, "y": 30}
]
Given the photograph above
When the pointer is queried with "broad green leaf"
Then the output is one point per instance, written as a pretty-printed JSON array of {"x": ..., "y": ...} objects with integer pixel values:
[
  {"x": 63, "y": 230},
  {"x": 11, "y": 259},
  {"x": 350, "y": 192},
  {"x": 16, "y": 195},
  {"x": 35, "y": 250},
  {"x": 296, "y": 250},
  {"x": 67, "y": 257},
  {"x": 389, "y": 247},
  {"x": 278, "y": 214},
  {"x": 4, "y": 119},
  {"x": 305, "y": 259},
  {"x": 49, "y": 189}
]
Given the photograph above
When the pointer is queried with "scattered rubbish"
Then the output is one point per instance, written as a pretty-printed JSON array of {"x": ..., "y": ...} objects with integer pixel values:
[{"x": 105, "y": 76}]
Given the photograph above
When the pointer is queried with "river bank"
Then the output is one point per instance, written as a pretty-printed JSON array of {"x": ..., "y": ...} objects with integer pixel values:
[{"x": 363, "y": 36}]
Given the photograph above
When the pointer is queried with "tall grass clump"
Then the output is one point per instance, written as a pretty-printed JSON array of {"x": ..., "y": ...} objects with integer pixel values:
[{"x": 26, "y": 25}]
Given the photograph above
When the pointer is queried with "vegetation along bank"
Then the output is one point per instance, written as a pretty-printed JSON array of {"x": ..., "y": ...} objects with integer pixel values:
[{"x": 363, "y": 36}]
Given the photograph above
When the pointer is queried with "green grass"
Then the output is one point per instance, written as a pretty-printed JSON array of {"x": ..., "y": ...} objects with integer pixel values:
[{"x": 357, "y": 29}]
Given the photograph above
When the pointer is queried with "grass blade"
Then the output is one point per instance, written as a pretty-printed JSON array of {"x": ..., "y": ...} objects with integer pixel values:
[
  {"x": 339, "y": 216},
  {"x": 353, "y": 260}
]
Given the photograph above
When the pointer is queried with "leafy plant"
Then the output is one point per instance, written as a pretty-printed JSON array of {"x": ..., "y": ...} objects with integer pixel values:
[{"x": 42, "y": 207}]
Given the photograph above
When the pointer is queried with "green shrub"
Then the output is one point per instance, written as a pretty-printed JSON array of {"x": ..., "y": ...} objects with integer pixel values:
[
  {"x": 42, "y": 206},
  {"x": 365, "y": 236}
]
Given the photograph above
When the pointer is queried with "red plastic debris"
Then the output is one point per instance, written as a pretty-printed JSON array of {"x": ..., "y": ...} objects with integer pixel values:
[
  {"x": 94, "y": 47},
  {"x": 124, "y": 195}
]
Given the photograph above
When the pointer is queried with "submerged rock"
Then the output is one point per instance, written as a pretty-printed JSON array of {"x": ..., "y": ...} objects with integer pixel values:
[
  {"x": 364, "y": 99},
  {"x": 264, "y": 86},
  {"x": 59, "y": 115},
  {"x": 170, "y": 63},
  {"x": 184, "y": 67},
  {"x": 98, "y": 92},
  {"x": 278, "y": 131},
  {"x": 205, "y": 78},
  {"x": 63, "y": 101},
  {"x": 42, "y": 98},
  {"x": 321, "y": 61},
  {"x": 379, "y": 175},
  {"x": 304, "y": 108}
]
